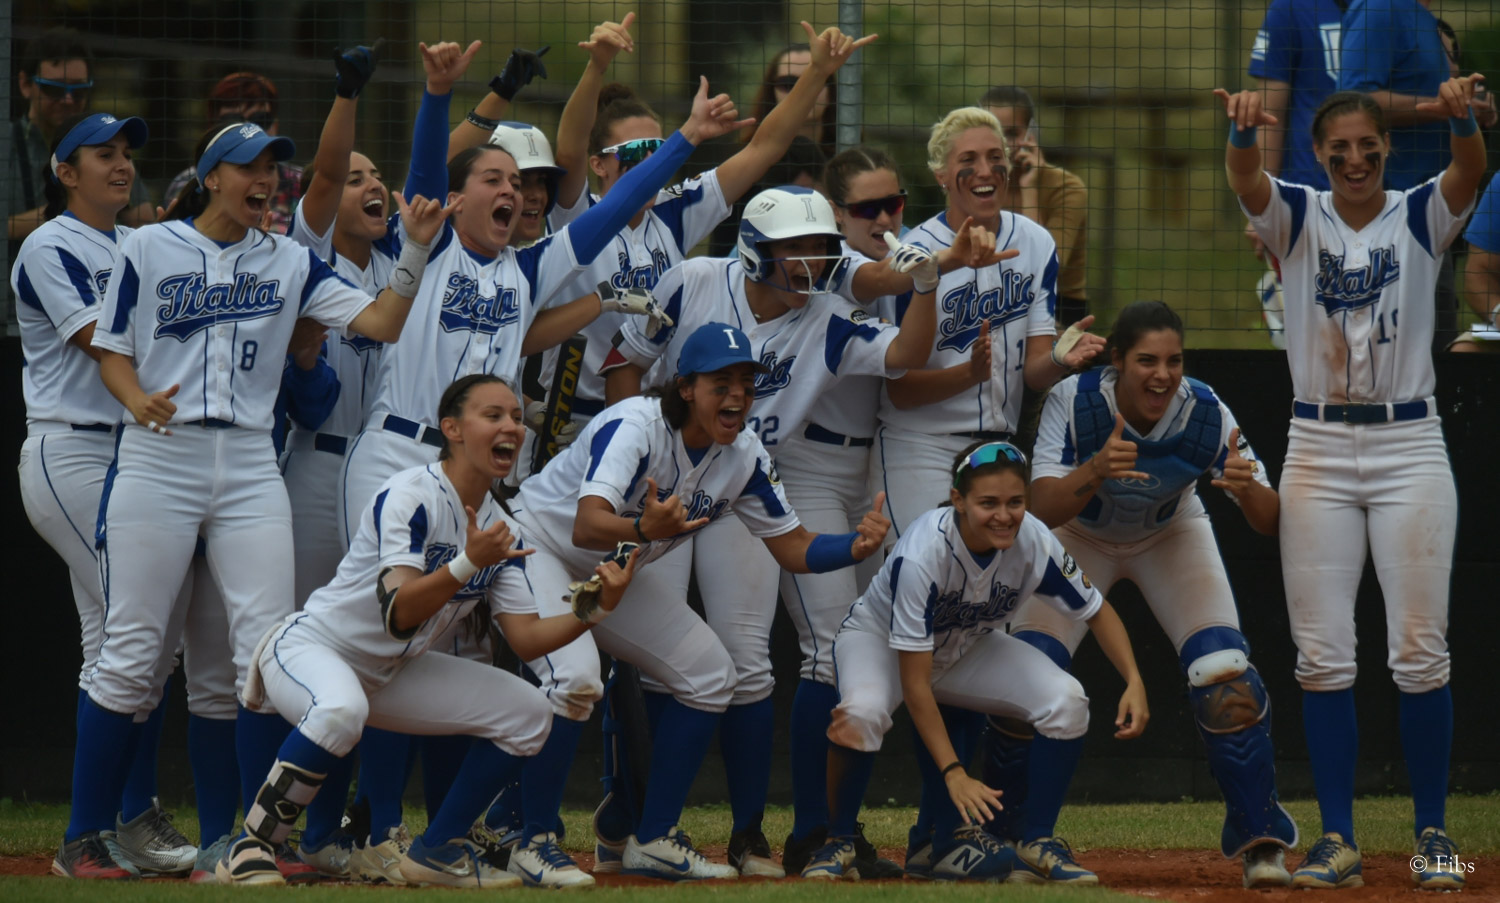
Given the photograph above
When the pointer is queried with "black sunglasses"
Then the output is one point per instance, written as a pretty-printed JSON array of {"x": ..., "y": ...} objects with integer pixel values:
[
  {"x": 56, "y": 90},
  {"x": 892, "y": 204},
  {"x": 784, "y": 83}
]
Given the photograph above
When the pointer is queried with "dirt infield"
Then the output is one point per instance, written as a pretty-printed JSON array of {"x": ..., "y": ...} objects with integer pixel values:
[{"x": 1198, "y": 876}]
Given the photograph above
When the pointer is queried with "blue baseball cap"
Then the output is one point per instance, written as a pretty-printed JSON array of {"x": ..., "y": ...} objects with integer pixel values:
[
  {"x": 241, "y": 143},
  {"x": 714, "y": 346},
  {"x": 99, "y": 128}
]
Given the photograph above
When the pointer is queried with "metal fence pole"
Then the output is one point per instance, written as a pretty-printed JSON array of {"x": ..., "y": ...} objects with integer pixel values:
[{"x": 851, "y": 94}]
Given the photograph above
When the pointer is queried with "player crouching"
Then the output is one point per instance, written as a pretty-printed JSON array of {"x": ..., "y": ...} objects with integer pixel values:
[{"x": 431, "y": 547}]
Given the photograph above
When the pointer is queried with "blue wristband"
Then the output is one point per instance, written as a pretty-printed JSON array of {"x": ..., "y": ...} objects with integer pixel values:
[
  {"x": 1241, "y": 138},
  {"x": 1463, "y": 126},
  {"x": 831, "y": 552}
]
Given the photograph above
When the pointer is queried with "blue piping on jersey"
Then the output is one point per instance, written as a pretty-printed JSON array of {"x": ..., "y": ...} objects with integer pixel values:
[
  {"x": 42, "y": 454},
  {"x": 1416, "y": 215}
]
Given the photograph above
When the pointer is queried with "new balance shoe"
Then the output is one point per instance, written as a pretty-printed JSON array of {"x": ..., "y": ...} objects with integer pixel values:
[
  {"x": 208, "y": 861},
  {"x": 796, "y": 854},
  {"x": 331, "y": 859},
  {"x": 248, "y": 860},
  {"x": 380, "y": 863},
  {"x": 612, "y": 827},
  {"x": 871, "y": 865},
  {"x": 540, "y": 862},
  {"x": 1265, "y": 866},
  {"x": 153, "y": 845},
  {"x": 1438, "y": 855},
  {"x": 671, "y": 857},
  {"x": 1049, "y": 860},
  {"x": 490, "y": 844},
  {"x": 88, "y": 856},
  {"x": 918, "y": 853},
  {"x": 833, "y": 862},
  {"x": 750, "y": 854},
  {"x": 972, "y": 855},
  {"x": 1330, "y": 863},
  {"x": 456, "y": 863}
]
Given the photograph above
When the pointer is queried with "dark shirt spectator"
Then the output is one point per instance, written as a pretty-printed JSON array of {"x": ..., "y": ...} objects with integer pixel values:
[{"x": 1296, "y": 59}]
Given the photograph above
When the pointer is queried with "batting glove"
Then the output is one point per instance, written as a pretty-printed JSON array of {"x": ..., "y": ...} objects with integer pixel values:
[
  {"x": 583, "y": 595},
  {"x": 536, "y": 418},
  {"x": 918, "y": 262},
  {"x": 520, "y": 69},
  {"x": 354, "y": 67},
  {"x": 637, "y": 302}
]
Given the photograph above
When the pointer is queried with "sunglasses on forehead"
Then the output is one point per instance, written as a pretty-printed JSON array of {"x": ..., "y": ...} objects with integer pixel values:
[
  {"x": 630, "y": 153},
  {"x": 892, "y": 204},
  {"x": 989, "y": 454},
  {"x": 56, "y": 90}
]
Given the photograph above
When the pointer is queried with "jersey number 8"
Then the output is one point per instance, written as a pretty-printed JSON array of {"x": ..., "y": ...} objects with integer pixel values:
[{"x": 247, "y": 354}]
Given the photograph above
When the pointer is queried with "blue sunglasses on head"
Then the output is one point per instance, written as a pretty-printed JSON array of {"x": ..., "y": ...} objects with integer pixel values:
[{"x": 989, "y": 453}]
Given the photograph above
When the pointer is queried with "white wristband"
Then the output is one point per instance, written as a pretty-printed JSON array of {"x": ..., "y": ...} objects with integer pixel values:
[
  {"x": 462, "y": 568},
  {"x": 406, "y": 278},
  {"x": 597, "y": 615}
]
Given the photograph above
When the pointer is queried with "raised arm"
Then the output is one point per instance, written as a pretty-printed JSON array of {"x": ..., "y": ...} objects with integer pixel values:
[
  {"x": 607, "y": 40},
  {"x": 444, "y": 64},
  {"x": 321, "y": 196},
  {"x": 1461, "y": 179},
  {"x": 520, "y": 68},
  {"x": 1242, "y": 160}
]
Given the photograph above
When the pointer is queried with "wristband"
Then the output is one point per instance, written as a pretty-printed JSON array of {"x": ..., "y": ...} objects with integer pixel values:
[
  {"x": 1463, "y": 126},
  {"x": 951, "y": 765},
  {"x": 1241, "y": 138},
  {"x": 462, "y": 568},
  {"x": 406, "y": 278},
  {"x": 638, "y": 531},
  {"x": 595, "y": 616},
  {"x": 476, "y": 120},
  {"x": 831, "y": 552}
]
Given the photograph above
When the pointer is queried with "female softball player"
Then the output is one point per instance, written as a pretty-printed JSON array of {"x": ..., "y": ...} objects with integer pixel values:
[
  {"x": 431, "y": 547},
  {"x": 930, "y": 414},
  {"x": 1118, "y": 457},
  {"x": 198, "y": 455},
  {"x": 930, "y": 630},
  {"x": 71, "y": 421},
  {"x": 1366, "y": 466},
  {"x": 656, "y": 470}
]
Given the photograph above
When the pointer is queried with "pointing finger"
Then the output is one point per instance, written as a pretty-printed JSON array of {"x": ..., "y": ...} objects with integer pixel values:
[{"x": 694, "y": 524}]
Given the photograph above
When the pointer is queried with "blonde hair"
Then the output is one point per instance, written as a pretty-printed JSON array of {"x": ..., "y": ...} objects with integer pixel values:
[{"x": 947, "y": 130}]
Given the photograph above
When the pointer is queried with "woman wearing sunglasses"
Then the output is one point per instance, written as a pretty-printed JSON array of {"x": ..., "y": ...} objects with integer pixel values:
[{"x": 930, "y": 631}]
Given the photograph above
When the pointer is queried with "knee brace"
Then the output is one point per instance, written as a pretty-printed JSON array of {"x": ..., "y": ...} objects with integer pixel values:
[
  {"x": 286, "y": 792},
  {"x": 1226, "y": 692}
]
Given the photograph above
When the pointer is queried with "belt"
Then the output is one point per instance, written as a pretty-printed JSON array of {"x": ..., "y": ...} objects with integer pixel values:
[
  {"x": 986, "y": 435},
  {"x": 332, "y": 443},
  {"x": 588, "y": 407},
  {"x": 93, "y": 427},
  {"x": 818, "y": 434},
  {"x": 210, "y": 423},
  {"x": 412, "y": 430},
  {"x": 1362, "y": 413}
]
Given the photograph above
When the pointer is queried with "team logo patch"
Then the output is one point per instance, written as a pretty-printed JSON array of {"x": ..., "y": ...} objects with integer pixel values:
[
  {"x": 961, "y": 310},
  {"x": 858, "y": 316},
  {"x": 1340, "y": 289},
  {"x": 192, "y": 305},
  {"x": 772, "y": 475},
  {"x": 466, "y": 309},
  {"x": 767, "y": 384},
  {"x": 1149, "y": 481},
  {"x": 1070, "y": 566}
]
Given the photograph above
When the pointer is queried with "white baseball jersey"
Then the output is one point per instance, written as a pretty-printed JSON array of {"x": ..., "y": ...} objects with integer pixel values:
[
  {"x": 1359, "y": 308},
  {"x": 933, "y": 594},
  {"x": 1166, "y": 454},
  {"x": 808, "y": 350},
  {"x": 416, "y": 520},
  {"x": 354, "y": 358},
  {"x": 1018, "y": 297},
  {"x": 682, "y": 216},
  {"x": 217, "y": 320},
  {"x": 611, "y": 459},
  {"x": 60, "y": 276}
]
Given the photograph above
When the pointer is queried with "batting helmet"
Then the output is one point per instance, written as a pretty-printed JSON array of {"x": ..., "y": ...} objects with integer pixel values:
[{"x": 789, "y": 212}]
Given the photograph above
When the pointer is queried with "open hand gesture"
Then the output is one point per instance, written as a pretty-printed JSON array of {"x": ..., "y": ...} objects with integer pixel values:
[
  {"x": 1116, "y": 460},
  {"x": 832, "y": 48},
  {"x": 445, "y": 64},
  {"x": 1245, "y": 109},
  {"x": 977, "y": 803},
  {"x": 423, "y": 217},
  {"x": 872, "y": 530},
  {"x": 665, "y": 518},
  {"x": 491, "y": 545},
  {"x": 607, "y": 40}
]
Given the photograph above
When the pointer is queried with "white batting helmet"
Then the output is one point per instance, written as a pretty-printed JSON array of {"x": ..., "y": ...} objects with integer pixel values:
[
  {"x": 789, "y": 212},
  {"x": 529, "y": 145}
]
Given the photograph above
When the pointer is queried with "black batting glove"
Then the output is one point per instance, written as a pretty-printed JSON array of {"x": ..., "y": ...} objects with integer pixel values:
[
  {"x": 355, "y": 66},
  {"x": 520, "y": 69}
]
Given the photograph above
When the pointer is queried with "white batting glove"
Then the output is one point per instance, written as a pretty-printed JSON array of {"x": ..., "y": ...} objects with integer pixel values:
[
  {"x": 1065, "y": 343},
  {"x": 583, "y": 595},
  {"x": 918, "y": 262},
  {"x": 636, "y": 302},
  {"x": 536, "y": 418}
]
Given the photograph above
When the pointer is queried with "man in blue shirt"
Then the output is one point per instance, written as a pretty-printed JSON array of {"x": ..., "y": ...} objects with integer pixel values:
[{"x": 1296, "y": 60}]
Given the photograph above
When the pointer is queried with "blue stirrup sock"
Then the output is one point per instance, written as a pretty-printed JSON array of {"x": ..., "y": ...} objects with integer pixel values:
[
  {"x": 1332, "y": 745},
  {"x": 1050, "y": 771},
  {"x": 384, "y": 764},
  {"x": 216, "y": 776},
  {"x": 257, "y": 742},
  {"x": 681, "y": 742},
  {"x": 812, "y": 711},
  {"x": 745, "y": 741},
  {"x": 544, "y": 776},
  {"x": 442, "y": 757},
  {"x": 849, "y": 773},
  {"x": 140, "y": 783},
  {"x": 101, "y": 762},
  {"x": 1427, "y": 740},
  {"x": 485, "y": 770}
]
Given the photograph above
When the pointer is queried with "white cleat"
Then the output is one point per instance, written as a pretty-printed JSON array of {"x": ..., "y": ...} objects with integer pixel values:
[{"x": 672, "y": 857}]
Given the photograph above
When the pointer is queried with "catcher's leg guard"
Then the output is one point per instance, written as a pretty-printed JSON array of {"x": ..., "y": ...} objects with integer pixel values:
[
  {"x": 1233, "y": 712},
  {"x": 287, "y": 791},
  {"x": 627, "y": 751},
  {"x": 1007, "y": 746}
]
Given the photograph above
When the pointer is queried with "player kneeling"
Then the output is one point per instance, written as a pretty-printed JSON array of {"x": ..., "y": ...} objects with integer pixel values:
[
  {"x": 431, "y": 547},
  {"x": 930, "y": 630}
]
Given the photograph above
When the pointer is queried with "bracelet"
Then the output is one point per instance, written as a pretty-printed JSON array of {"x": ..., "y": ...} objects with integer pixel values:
[
  {"x": 1241, "y": 138},
  {"x": 1463, "y": 126},
  {"x": 951, "y": 765},
  {"x": 462, "y": 568},
  {"x": 476, "y": 120},
  {"x": 638, "y": 531}
]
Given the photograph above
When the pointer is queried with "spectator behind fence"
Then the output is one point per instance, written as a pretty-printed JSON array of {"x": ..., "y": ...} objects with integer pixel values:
[
  {"x": 251, "y": 97},
  {"x": 1296, "y": 62},
  {"x": 1046, "y": 194},
  {"x": 781, "y": 75},
  {"x": 56, "y": 79},
  {"x": 1482, "y": 275}
]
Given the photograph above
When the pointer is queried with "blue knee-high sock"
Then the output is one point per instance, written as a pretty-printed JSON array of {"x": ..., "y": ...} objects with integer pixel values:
[
  {"x": 745, "y": 742},
  {"x": 257, "y": 742},
  {"x": 140, "y": 783},
  {"x": 681, "y": 742},
  {"x": 486, "y": 768},
  {"x": 505, "y": 813},
  {"x": 216, "y": 775},
  {"x": 848, "y": 778},
  {"x": 1332, "y": 745},
  {"x": 1427, "y": 739},
  {"x": 325, "y": 814},
  {"x": 936, "y": 814},
  {"x": 656, "y": 704},
  {"x": 101, "y": 761},
  {"x": 812, "y": 710},
  {"x": 384, "y": 760},
  {"x": 544, "y": 776},
  {"x": 442, "y": 757},
  {"x": 1049, "y": 772}
]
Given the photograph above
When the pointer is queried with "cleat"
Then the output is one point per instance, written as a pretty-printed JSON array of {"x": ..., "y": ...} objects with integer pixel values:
[
  {"x": 750, "y": 854},
  {"x": 152, "y": 845},
  {"x": 796, "y": 854},
  {"x": 1330, "y": 863},
  {"x": 919, "y": 854},
  {"x": 867, "y": 859},
  {"x": 1049, "y": 860},
  {"x": 611, "y": 832},
  {"x": 490, "y": 845},
  {"x": 671, "y": 857},
  {"x": 89, "y": 856},
  {"x": 248, "y": 860},
  {"x": 1265, "y": 866},
  {"x": 208, "y": 860},
  {"x": 456, "y": 863},
  {"x": 972, "y": 855},
  {"x": 380, "y": 863},
  {"x": 540, "y": 862},
  {"x": 833, "y": 862},
  {"x": 1439, "y": 854},
  {"x": 293, "y": 869},
  {"x": 332, "y": 858}
]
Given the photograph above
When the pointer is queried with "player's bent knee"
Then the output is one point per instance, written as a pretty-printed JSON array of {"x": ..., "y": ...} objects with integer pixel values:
[
  {"x": 859, "y": 724},
  {"x": 527, "y": 724},
  {"x": 336, "y": 723},
  {"x": 1066, "y": 717}
]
